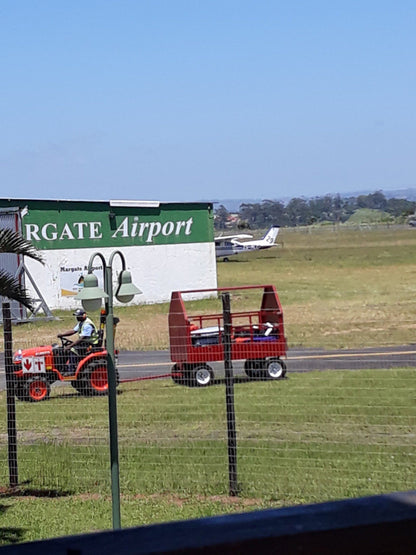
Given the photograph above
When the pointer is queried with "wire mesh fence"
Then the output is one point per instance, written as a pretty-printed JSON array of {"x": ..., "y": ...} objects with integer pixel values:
[
  {"x": 335, "y": 425},
  {"x": 306, "y": 435}
]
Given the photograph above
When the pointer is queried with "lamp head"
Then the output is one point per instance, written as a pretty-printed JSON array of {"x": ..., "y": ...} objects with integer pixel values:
[
  {"x": 91, "y": 295},
  {"x": 126, "y": 289}
]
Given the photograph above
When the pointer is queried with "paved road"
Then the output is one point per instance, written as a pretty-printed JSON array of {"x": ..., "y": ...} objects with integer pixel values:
[
  {"x": 157, "y": 363},
  {"x": 150, "y": 364}
]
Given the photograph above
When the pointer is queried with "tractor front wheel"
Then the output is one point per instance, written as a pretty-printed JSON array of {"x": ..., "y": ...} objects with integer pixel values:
[
  {"x": 20, "y": 391},
  {"x": 34, "y": 390}
]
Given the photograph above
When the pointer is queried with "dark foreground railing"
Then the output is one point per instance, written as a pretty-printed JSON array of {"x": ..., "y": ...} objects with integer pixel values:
[{"x": 384, "y": 524}]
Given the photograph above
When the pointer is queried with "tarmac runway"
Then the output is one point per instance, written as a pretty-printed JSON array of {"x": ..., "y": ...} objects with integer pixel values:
[
  {"x": 157, "y": 363},
  {"x": 136, "y": 365}
]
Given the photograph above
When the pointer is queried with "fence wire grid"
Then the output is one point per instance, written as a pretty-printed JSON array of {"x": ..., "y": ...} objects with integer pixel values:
[{"x": 310, "y": 425}]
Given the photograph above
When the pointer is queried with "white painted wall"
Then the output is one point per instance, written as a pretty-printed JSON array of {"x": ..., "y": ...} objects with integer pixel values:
[{"x": 156, "y": 270}]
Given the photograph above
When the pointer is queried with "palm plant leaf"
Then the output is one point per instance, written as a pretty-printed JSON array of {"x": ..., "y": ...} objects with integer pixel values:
[
  {"x": 12, "y": 242},
  {"x": 11, "y": 288}
]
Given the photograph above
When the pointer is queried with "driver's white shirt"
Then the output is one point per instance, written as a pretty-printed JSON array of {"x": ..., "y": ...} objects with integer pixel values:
[{"x": 87, "y": 330}]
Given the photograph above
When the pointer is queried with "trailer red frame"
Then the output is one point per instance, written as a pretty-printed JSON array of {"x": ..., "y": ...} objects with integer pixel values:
[{"x": 256, "y": 335}]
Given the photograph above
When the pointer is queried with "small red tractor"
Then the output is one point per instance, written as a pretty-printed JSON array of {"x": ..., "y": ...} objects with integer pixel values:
[{"x": 39, "y": 367}]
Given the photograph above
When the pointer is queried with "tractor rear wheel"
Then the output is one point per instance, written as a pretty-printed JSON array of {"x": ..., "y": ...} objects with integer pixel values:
[{"x": 94, "y": 379}]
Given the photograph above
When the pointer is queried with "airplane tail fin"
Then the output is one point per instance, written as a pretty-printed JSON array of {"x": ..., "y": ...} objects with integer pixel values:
[{"x": 271, "y": 235}]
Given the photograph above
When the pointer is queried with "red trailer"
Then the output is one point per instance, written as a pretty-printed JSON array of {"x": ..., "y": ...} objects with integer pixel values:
[{"x": 256, "y": 336}]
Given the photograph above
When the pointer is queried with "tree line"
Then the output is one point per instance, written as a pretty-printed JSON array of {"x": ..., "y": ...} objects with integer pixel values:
[{"x": 301, "y": 211}]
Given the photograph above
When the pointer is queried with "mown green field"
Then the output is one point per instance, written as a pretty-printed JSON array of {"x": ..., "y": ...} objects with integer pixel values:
[
  {"x": 313, "y": 437},
  {"x": 339, "y": 288}
]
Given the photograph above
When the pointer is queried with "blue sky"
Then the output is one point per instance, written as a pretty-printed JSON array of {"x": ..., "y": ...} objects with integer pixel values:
[{"x": 190, "y": 100}]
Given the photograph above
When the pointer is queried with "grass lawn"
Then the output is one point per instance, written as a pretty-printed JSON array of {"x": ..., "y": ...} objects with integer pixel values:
[
  {"x": 339, "y": 288},
  {"x": 314, "y": 437}
]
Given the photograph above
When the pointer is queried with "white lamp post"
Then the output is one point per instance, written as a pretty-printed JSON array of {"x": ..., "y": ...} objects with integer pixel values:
[{"x": 91, "y": 298}]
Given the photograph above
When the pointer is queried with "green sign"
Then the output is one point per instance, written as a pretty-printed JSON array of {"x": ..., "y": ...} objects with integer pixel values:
[{"x": 165, "y": 225}]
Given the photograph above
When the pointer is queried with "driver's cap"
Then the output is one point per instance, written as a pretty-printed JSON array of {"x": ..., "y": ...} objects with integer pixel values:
[{"x": 79, "y": 312}]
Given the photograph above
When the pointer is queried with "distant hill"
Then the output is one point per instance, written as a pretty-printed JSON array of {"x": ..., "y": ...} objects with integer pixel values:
[
  {"x": 368, "y": 216},
  {"x": 408, "y": 194},
  {"x": 233, "y": 205}
]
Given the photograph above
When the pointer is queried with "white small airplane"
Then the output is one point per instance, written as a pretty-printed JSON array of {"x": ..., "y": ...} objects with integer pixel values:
[{"x": 231, "y": 244}]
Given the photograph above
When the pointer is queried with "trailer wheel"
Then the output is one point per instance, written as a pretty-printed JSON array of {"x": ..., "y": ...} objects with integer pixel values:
[
  {"x": 252, "y": 367},
  {"x": 36, "y": 389},
  {"x": 275, "y": 369},
  {"x": 203, "y": 375},
  {"x": 198, "y": 375},
  {"x": 177, "y": 375}
]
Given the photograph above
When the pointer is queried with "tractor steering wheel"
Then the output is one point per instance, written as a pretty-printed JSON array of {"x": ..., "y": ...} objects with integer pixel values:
[{"x": 65, "y": 341}]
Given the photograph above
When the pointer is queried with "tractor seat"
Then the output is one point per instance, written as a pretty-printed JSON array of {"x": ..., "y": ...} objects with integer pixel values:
[{"x": 98, "y": 346}]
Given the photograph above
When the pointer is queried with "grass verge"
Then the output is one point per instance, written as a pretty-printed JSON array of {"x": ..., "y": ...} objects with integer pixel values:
[{"x": 314, "y": 437}]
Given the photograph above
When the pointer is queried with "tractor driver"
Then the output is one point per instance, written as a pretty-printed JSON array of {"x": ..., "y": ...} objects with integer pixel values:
[{"x": 88, "y": 336}]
